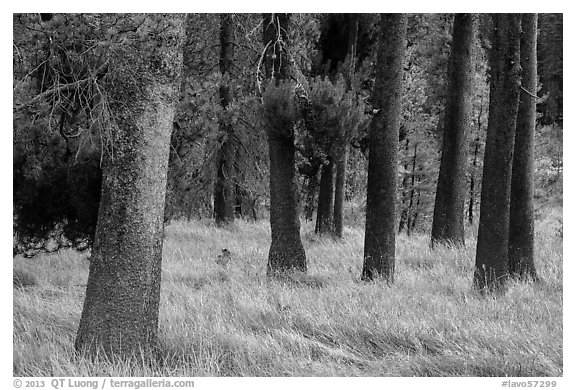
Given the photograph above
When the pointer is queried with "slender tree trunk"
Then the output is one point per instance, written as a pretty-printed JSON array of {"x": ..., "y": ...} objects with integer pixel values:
[
  {"x": 120, "y": 313},
  {"x": 403, "y": 218},
  {"x": 325, "y": 216},
  {"x": 286, "y": 250},
  {"x": 475, "y": 162},
  {"x": 404, "y": 213},
  {"x": 311, "y": 190},
  {"x": 223, "y": 188},
  {"x": 473, "y": 182},
  {"x": 410, "y": 223},
  {"x": 352, "y": 47},
  {"x": 492, "y": 247},
  {"x": 415, "y": 216},
  {"x": 380, "y": 236},
  {"x": 448, "y": 220},
  {"x": 340, "y": 189},
  {"x": 521, "y": 239},
  {"x": 342, "y": 157}
]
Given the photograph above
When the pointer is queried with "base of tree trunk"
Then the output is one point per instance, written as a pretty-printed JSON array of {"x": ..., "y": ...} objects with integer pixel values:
[{"x": 284, "y": 259}]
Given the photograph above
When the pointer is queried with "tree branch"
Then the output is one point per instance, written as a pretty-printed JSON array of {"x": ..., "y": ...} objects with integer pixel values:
[
  {"x": 528, "y": 92},
  {"x": 64, "y": 88}
]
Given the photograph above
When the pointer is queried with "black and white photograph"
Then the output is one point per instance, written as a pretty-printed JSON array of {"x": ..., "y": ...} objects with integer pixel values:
[{"x": 293, "y": 195}]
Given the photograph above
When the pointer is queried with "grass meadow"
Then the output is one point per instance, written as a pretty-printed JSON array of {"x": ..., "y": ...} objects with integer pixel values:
[{"x": 232, "y": 321}]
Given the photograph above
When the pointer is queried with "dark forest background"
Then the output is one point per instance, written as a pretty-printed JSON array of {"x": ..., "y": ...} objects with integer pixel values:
[{"x": 57, "y": 146}]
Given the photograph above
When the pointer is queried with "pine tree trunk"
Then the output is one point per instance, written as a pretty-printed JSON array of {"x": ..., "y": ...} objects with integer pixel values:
[
  {"x": 492, "y": 247},
  {"x": 410, "y": 223},
  {"x": 352, "y": 47},
  {"x": 311, "y": 189},
  {"x": 475, "y": 163},
  {"x": 286, "y": 250},
  {"x": 415, "y": 216},
  {"x": 223, "y": 188},
  {"x": 380, "y": 234},
  {"x": 120, "y": 313},
  {"x": 473, "y": 183},
  {"x": 404, "y": 213},
  {"x": 340, "y": 190},
  {"x": 521, "y": 239},
  {"x": 324, "y": 215},
  {"x": 448, "y": 220},
  {"x": 342, "y": 158}
]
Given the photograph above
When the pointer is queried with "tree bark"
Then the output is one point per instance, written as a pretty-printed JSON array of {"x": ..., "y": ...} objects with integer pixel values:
[
  {"x": 410, "y": 224},
  {"x": 492, "y": 247},
  {"x": 223, "y": 188},
  {"x": 324, "y": 215},
  {"x": 475, "y": 162},
  {"x": 120, "y": 313},
  {"x": 550, "y": 67},
  {"x": 380, "y": 235},
  {"x": 340, "y": 189},
  {"x": 342, "y": 157},
  {"x": 473, "y": 183},
  {"x": 311, "y": 189},
  {"x": 415, "y": 216},
  {"x": 404, "y": 213},
  {"x": 286, "y": 250},
  {"x": 521, "y": 236},
  {"x": 448, "y": 220}
]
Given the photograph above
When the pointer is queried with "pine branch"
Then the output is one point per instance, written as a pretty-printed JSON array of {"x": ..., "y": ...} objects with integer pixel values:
[{"x": 64, "y": 88}]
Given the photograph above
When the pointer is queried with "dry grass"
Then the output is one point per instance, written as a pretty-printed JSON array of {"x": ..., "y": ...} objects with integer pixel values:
[{"x": 232, "y": 321}]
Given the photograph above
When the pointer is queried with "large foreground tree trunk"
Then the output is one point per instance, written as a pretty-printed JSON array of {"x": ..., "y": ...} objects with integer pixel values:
[
  {"x": 286, "y": 250},
  {"x": 521, "y": 240},
  {"x": 492, "y": 247},
  {"x": 448, "y": 220},
  {"x": 380, "y": 236},
  {"x": 120, "y": 313},
  {"x": 223, "y": 189}
]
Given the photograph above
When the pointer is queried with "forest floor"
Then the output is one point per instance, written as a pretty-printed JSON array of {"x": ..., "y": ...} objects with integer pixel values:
[{"x": 232, "y": 321}]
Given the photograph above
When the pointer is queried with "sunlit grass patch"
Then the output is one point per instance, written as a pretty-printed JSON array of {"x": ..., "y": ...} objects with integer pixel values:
[{"x": 231, "y": 320}]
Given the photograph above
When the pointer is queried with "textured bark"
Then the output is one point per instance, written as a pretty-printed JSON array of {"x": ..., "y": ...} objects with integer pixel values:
[
  {"x": 286, "y": 250},
  {"x": 380, "y": 236},
  {"x": 120, "y": 313},
  {"x": 324, "y": 215},
  {"x": 448, "y": 220},
  {"x": 223, "y": 188},
  {"x": 492, "y": 247},
  {"x": 521, "y": 234}
]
